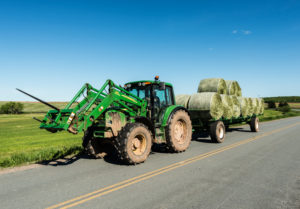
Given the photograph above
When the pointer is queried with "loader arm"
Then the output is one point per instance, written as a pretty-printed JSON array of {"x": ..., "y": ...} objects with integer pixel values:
[{"x": 78, "y": 115}]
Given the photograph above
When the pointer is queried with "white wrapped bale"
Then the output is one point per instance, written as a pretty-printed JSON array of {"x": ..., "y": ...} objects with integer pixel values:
[
  {"x": 213, "y": 85},
  {"x": 183, "y": 100},
  {"x": 236, "y": 109},
  {"x": 244, "y": 105},
  {"x": 207, "y": 105},
  {"x": 227, "y": 106}
]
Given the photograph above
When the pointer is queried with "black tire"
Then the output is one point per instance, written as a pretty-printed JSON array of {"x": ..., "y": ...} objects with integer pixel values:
[
  {"x": 134, "y": 143},
  {"x": 95, "y": 148},
  {"x": 179, "y": 131},
  {"x": 217, "y": 132},
  {"x": 254, "y": 124}
]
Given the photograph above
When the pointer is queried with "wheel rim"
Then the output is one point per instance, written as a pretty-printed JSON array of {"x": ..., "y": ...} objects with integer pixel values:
[
  {"x": 256, "y": 124},
  {"x": 139, "y": 144},
  {"x": 221, "y": 132},
  {"x": 180, "y": 131}
]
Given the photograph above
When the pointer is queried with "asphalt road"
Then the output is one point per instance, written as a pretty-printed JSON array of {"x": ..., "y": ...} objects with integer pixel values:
[{"x": 248, "y": 170}]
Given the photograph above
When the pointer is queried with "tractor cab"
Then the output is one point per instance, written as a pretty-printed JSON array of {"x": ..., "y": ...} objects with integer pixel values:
[{"x": 159, "y": 95}]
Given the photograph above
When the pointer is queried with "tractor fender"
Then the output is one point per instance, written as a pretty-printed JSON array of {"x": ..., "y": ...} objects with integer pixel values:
[
  {"x": 147, "y": 122},
  {"x": 169, "y": 112}
]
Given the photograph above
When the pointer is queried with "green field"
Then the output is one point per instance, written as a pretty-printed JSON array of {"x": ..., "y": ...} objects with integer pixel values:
[
  {"x": 22, "y": 141},
  {"x": 37, "y": 107}
]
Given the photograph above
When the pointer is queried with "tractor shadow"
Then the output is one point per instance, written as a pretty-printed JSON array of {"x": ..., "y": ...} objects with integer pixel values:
[{"x": 65, "y": 160}]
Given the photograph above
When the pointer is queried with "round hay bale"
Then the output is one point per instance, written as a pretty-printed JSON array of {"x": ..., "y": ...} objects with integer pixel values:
[
  {"x": 250, "y": 107},
  {"x": 256, "y": 107},
  {"x": 207, "y": 104},
  {"x": 236, "y": 109},
  {"x": 182, "y": 99},
  {"x": 239, "y": 90},
  {"x": 261, "y": 106},
  {"x": 213, "y": 85},
  {"x": 244, "y": 105},
  {"x": 227, "y": 105},
  {"x": 231, "y": 87}
]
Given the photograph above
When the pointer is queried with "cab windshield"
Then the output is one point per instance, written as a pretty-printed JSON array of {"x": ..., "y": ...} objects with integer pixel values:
[{"x": 140, "y": 91}]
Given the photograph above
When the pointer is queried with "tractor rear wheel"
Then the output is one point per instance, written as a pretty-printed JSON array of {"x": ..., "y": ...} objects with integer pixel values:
[
  {"x": 254, "y": 124},
  {"x": 134, "y": 143},
  {"x": 179, "y": 131},
  {"x": 217, "y": 132}
]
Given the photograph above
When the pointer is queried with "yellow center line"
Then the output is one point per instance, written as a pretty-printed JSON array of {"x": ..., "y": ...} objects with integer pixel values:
[{"x": 98, "y": 193}]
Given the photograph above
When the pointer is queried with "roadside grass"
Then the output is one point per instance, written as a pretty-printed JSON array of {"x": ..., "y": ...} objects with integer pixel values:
[
  {"x": 21, "y": 141},
  {"x": 271, "y": 114}
]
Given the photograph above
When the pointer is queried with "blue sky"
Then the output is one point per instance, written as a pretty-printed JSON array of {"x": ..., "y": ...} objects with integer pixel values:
[{"x": 50, "y": 48}]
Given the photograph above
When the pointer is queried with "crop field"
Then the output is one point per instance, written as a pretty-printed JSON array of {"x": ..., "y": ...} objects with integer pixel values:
[
  {"x": 22, "y": 141},
  {"x": 295, "y": 105}
]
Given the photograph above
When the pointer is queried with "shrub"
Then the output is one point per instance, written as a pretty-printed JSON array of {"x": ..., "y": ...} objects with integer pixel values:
[
  {"x": 282, "y": 104},
  {"x": 284, "y": 109},
  {"x": 271, "y": 104},
  {"x": 12, "y": 108}
]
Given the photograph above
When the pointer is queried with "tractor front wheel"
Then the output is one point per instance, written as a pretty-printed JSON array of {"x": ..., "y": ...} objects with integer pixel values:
[
  {"x": 179, "y": 131},
  {"x": 94, "y": 147},
  {"x": 134, "y": 143}
]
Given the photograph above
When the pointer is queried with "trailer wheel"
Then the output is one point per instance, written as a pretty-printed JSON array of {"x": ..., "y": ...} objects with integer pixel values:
[
  {"x": 254, "y": 124},
  {"x": 217, "y": 132},
  {"x": 94, "y": 147},
  {"x": 179, "y": 131},
  {"x": 134, "y": 143}
]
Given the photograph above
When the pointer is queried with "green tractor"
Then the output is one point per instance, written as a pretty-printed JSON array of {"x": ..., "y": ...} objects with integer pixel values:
[{"x": 131, "y": 118}]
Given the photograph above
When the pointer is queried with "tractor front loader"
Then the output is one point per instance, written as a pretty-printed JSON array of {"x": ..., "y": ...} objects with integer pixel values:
[{"x": 130, "y": 118}]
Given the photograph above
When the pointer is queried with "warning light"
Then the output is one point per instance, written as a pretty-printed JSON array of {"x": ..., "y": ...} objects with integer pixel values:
[{"x": 156, "y": 78}]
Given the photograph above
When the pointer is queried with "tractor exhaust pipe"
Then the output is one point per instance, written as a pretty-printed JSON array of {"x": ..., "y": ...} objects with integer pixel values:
[{"x": 45, "y": 103}]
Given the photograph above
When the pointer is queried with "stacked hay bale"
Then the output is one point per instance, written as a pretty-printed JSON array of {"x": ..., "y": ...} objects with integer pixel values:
[
  {"x": 217, "y": 98},
  {"x": 183, "y": 100},
  {"x": 261, "y": 106},
  {"x": 244, "y": 105},
  {"x": 250, "y": 107},
  {"x": 256, "y": 107},
  {"x": 227, "y": 106},
  {"x": 236, "y": 109},
  {"x": 206, "y": 105},
  {"x": 213, "y": 85}
]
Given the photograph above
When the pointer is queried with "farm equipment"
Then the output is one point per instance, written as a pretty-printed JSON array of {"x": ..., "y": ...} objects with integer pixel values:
[{"x": 131, "y": 118}]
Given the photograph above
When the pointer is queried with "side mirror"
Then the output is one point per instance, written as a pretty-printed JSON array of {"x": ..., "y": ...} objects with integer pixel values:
[{"x": 162, "y": 86}]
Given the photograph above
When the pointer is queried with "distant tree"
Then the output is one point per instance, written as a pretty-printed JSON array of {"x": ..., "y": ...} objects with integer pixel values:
[
  {"x": 271, "y": 104},
  {"x": 283, "y": 103},
  {"x": 12, "y": 108}
]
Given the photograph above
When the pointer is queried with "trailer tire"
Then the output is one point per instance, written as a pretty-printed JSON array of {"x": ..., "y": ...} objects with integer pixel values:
[
  {"x": 254, "y": 124},
  {"x": 179, "y": 131},
  {"x": 217, "y": 132},
  {"x": 134, "y": 143}
]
